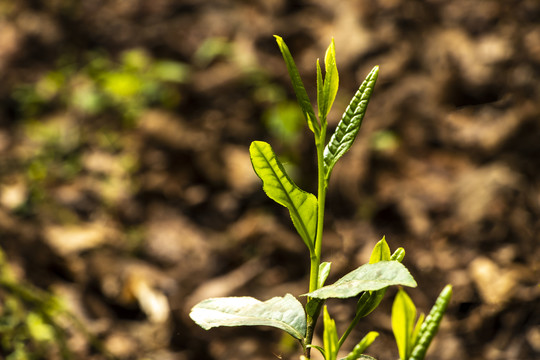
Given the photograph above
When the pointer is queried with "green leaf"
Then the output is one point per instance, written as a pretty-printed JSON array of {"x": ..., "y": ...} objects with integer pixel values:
[
  {"x": 330, "y": 338},
  {"x": 371, "y": 299},
  {"x": 366, "y": 341},
  {"x": 285, "y": 313},
  {"x": 313, "y": 307},
  {"x": 367, "y": 277},
  {"x": 381, "y": 252},
  {"x": 327, "y": 94},
  {"x": 403, "y": 318},
  {"x": 299, "y": 89},
  {"x": 416, "y": 330},
  {"x": 347, "y": 129},
  {"x": 430, "y": 326},
  {"x": 368, "y": 301},
  {"x": 324, "y": 271},
  {"x": 398, "y": 255},
  {"x": 280, "y": 188},
  {"x": 320, "y": 88}
]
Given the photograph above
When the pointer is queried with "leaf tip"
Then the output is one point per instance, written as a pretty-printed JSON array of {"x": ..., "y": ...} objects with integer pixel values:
[{"x": 375, "y": 71}]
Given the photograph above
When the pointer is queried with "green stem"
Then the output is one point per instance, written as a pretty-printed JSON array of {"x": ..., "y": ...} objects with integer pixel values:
[
  {"x": 321, "y": 196},
  {"x": 315, "y": 258},
  {"x": 352, "y": 325}
]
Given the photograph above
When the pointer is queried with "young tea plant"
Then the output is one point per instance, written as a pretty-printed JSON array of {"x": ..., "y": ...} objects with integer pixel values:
[{"x": 368, "y": 283}]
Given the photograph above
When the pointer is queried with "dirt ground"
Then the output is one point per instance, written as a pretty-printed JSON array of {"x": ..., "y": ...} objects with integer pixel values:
[{"x": 134, "y": 207}]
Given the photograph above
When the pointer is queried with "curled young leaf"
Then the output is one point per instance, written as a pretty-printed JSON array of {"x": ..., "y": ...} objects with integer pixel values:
[
  {"x": 430, "y": 326},
  {"x": 280, "y": 188},
  {"x": 366, "y": 341},
  {"x": 327, "y": 89},
  {"x": 285, "y": 313},
  {"x": 347, "y": 129},
  {"x": 398, "y": 255}
]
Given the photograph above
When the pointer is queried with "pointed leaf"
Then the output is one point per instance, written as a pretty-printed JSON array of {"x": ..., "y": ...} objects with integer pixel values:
[
  {"x": 298, "y": 86},
  {"x": 366, "y": 341},
  {"x": 381, "y": 252},
  {"x": 280, "y": 188},
  {"x": 330, "y": 338},
  {"x": 347, "y": 129},
  {"x": 417, "y": 327},
  {"x": 320, "y": 87},
  {"x": 403, "y": 318},
  {"x": 331, "y": 81},
  {"x": 285, "y": 313},
  {"x": 324, "y": 271},
  {"x": 367, "y": 277},
  {"x": 371, "y": 299}
]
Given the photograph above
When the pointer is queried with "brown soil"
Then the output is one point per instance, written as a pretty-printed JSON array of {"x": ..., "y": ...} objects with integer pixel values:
[{"x": 446, "y": 165}]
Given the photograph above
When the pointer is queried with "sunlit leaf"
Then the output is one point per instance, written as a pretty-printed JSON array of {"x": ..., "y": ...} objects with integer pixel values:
[
  {"x": 417, "y": 327},
  {"x": 324, "y": 271},
  {"x": 298, "y": 87},
  {"x": 403, "y": 319},
  {"x": 285, "y": 313},
  {"x": 381, "y": 252},
  {"x": 398, "y": 255},
  {"x": 331, "y": 82},
  {"x": 367, "y": 277},
  {"x": 330, "y": 338},
  {"x": 280, "y": 188},
  {"x": 371, "y": 299},
  {"x": 347, "y": 129},
  {"x": 366, "y": 341}
]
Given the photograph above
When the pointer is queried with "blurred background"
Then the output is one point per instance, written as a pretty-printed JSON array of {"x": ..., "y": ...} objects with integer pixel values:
[{"x": 127, "y": 193}]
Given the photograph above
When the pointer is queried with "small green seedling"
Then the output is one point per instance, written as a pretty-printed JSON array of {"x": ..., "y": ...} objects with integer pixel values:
[{"x": 368, "y": 283}]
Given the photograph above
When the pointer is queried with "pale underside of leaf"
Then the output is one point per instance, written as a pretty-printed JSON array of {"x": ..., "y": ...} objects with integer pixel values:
[
  {"x": 285, "y": 313},
  {"x": 347, "y": 129},
  {"x": 280, "y": 188},
  {"x": 368, "y": 277}
]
